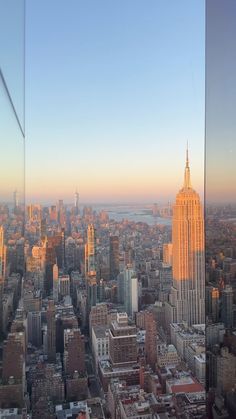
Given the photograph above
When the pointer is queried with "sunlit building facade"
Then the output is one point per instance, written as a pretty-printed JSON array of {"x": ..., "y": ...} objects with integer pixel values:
[
  {"x": 187, "y": 298},
  {"x": 90, "y": 251}
]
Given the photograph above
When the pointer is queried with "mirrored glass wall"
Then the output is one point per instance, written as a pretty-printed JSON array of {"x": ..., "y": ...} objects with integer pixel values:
[
  {"x": 12, "y": 137},
  {"x": 220, "y": 199}
]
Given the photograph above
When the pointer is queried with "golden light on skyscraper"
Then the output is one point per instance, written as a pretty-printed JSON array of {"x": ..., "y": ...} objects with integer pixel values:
[
  {"x": 188, "y": 291},
  {"x": 90, "y": 251}
]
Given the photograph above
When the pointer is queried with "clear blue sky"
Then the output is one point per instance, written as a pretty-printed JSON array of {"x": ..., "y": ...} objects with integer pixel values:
[{"x": 113, "y": 91}]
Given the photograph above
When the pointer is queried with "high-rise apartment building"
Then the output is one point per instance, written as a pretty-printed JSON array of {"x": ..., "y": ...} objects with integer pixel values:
[{"x": 187, "y": 298}]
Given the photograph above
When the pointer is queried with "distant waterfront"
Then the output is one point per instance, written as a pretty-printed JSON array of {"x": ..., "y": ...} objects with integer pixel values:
[{"x": 133, "y": 213}]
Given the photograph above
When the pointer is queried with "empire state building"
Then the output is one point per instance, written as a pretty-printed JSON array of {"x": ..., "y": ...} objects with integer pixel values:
[{"x": 187, "y": 297}]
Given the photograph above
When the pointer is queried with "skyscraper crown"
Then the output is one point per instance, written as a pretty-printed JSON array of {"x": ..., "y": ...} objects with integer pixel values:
[{"x": 187, "y": 181}]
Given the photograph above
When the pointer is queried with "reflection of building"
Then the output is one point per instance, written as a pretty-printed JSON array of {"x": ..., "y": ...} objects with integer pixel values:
[{"x": 187, "y": 294}]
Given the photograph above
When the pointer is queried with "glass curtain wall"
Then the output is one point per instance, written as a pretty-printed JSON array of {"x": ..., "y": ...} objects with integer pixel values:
[
  {"x": 220, "y": 200},
  {"x": 12, "y": 137}
]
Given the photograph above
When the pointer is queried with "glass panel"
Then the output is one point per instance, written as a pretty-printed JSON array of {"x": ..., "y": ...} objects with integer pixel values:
[
  {"x": 12, "y": 51},
  {"x": 12, "y": 154},
  {"x": 220, "y": 192}
]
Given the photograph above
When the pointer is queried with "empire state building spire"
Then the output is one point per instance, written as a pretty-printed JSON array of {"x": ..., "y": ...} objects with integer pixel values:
[{"x": 187, "y": 182}]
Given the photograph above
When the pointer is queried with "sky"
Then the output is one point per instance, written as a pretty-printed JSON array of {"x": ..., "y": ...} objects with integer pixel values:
[
  {"x": 114, "y": 90},
  {"x": 220, "y": 101}
]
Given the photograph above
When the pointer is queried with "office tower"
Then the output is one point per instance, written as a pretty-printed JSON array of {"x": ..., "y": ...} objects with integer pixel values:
[
  {"x": 60, "y": 205},
  {"x": 128, "y": 256},
  {"x": 2, "y": 326},
  {"x": 90, "y": 251},
  {"x": 122, "y": 341},
  {"x": 64, "y": 285},
  {"x": 47, "y": 384},
  {"x": 51, "y": 332},
  {"x": 92, "y": 292},
  {"x": 34, "y": 328},
  {"x": 120, "y": 288},
  {"x": 212, "y": 303},
  {"x": 150, "y": 339},
  {"x": 43, "y": 228},
  {"x": 55, "y": 273},
  {"x": 15, "y": 201},
  {"x": 70, "y": 253},
  {"x": 53, "y": 213},
  {"x": 227, "y": 307},
  {"x": 74, "y": 351},
  {"x": 63, "y": 248},
  {"x": 167, "y": 253},
  {"x": 130, "y": 291},
  {"x": 76, "y": 207},
  {"x": 13, "y": 364},
  {"x": 114, "y": 257},
  {"x": 187, "y": 299},
  {"x": 98, "y": 316},
  {"x": 30, "y": 211},
  {"x": 3, "y": 254},
  {"x": 12, "y": 386}
]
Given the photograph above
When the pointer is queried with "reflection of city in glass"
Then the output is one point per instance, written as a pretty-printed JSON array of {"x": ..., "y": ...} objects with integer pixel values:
[
  {"x": 102, "y": 294},
  {"x": 220, "y": 194}
]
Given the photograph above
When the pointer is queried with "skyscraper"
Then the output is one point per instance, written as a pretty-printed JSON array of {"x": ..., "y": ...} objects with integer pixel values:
[
  {"x": 130, "y": 291},
  {"x": 114, "y": 257},
  {"x": 90, "y": 251},
  {"x": 150, "y": 339},
  {"x": 3, "y": 253},
  {"x": 76, "y": 208},
  {"x": 51, "y": 332},
  {"x": 227, "y": 306},
  {"x": 187, "y": 299},
  {"x": 15, "y": 200}
]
